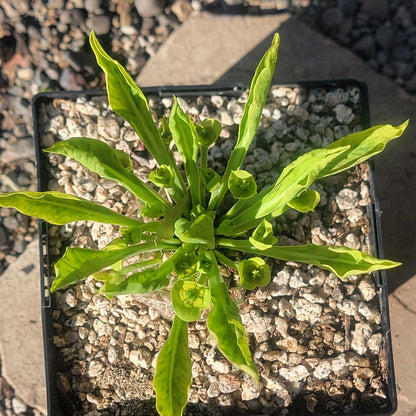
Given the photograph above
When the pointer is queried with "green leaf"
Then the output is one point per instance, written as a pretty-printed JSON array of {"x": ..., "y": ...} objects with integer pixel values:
[
  {"x": 254, "y": 272},
  {"x": 128, "y": 101},
  {"x": 343, "y": 261},
  {"x": 162, "y": 176},
  {"x": 199, "y": 231},
  {"x": 189, "y": 298},
  {"x": 173, "y": 374},
  {"x": 139, "y": 283},
  {"x": 242, "y": 184},
  {"x": 79, "y": 263},
  {"x": 306, "y": 201},
  {"x": 208, "y": 131},
  {"x": 225, "y": 326},
  {"x": 295, "y": 178},
  {"x": 109, "y": 163},
  {"x": 262, "y": 236},
  {"x": 59, "y": 208},
  {"x": 251, "y": 117},
  {"x": 185, "y": 137},
  {"x": 166, "y": 227},
  {"x": 145, "y": 281},
  {"x": 362, "y": 146}
]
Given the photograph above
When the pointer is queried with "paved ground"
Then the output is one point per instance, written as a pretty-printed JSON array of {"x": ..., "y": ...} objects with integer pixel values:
[{"x": 218, "y": 49}]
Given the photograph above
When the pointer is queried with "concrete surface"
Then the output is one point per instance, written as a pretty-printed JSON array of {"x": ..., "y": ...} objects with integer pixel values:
[
  {"x": 21, "y": 341},
  {"x": 210, "y": 49}
]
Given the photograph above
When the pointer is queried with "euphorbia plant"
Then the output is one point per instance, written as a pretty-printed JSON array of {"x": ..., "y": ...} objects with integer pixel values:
[{"x": 191, "y": 228}]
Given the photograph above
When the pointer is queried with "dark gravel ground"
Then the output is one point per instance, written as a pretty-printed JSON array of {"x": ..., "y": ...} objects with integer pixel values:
[{"x": 44, "y": 47}]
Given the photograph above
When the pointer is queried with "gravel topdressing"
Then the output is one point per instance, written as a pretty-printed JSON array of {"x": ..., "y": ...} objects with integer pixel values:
[{"x": 317, "y": 340}]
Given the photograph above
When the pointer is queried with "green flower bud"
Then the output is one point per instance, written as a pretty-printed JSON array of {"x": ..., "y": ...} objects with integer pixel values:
[
  {"x": 164, "y": 130},
  {"x": 262, "y": 236},
  {"x": 189, "y": 298},
  {"x": 132, "y": 235},
  {"x": 186, "y": 265},
  {"x": 242, "y": 184},
  {"x": 254, "y": 273},
  {"x": 210, "y": 179},
  {"x": 163, "y": 176},
  {"x": 208, "y": 131}
]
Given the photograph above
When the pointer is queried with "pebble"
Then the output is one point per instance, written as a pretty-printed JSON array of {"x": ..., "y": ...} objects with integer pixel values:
[
  {"x": 150, "y": 8},
  {"x": 296, "y": 373},
  {"x": 347, "y": 199},
  {"x": 101, "y": 24},
  {"x": 18, "y": 406}
]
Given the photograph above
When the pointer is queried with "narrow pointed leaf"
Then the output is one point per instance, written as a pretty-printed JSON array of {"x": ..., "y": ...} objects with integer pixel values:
[
  {"x": 109, "y": 163},
  {"x": 225, "y": 326},
  {"x": 128, "y": 101},
  {"x": 79, "y": 263},
  {"x": 173, "y": 374},
  {"x": 148, "y": 280},
  {"x": 295, "y": 178},
  {"x": 185, "y": 137},
  {"x": 251, "y": 117},
  {"x": 343, "y": 261},
  {"x": 59, "y": 208},
  {"x": 362, "y": 146}
]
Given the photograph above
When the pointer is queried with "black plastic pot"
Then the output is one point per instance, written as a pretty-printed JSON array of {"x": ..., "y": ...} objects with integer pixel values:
[{"x": 56, "y": 403}]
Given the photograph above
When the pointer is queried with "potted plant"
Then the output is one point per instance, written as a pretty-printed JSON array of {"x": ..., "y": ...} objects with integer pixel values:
[{"x": 205, "y": 240}]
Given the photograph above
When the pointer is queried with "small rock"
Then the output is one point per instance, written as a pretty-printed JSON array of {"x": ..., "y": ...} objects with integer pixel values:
[
  {"x": 384, "y": 37},
  {"x": 348, "y": 7},
  {"x": 296, "y": 373},
  {"x": 344, "y": 114},
  {"x": 361, "y": 334},
  {"x": 22, "y": 149},
  {"x": 93, "y": 6},
  {"x": 367, "y": 289},
  {"x": 18, "y": 406},
  {"x": 306, "y": 311},
  {"x": 378, "y": 9},
  {"x": 95, "y": 368},
  {"x": 140, "y": 357},
  {"x": 10, "y": 222},
  {"x": 402, "y": 53},
  {"x": 348, "y": 306},
  {"x": 323, "y": 369},
  {"x": 150, "y": 8},
  {"x": 352, "y": 241},
  {"x": 347, "y": 199},
  {"x": 101, "y": 24},
  {"x": 249, "y": 389},
  {"x": 332, "y": 18},
  {"x": 182, "y": 9},
  {"x": 112, "y": 355},
  {"x": 365, "y": 47}
]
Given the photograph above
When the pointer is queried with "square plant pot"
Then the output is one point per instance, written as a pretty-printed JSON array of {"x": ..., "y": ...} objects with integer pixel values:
[{"x": 322, "y": 345}]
